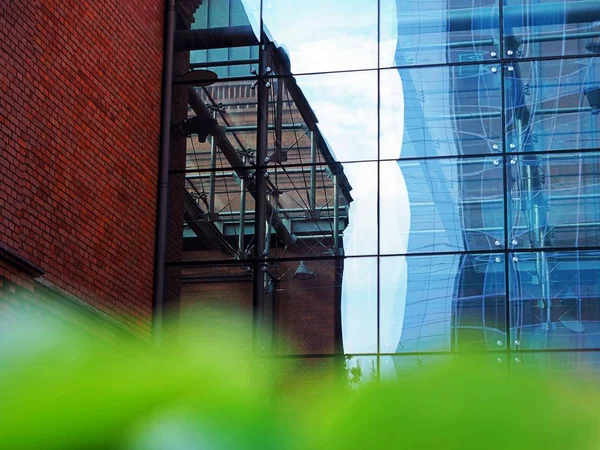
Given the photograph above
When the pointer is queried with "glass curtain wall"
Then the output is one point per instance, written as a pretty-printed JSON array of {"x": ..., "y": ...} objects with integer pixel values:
[{"x": 391, "y": 183}]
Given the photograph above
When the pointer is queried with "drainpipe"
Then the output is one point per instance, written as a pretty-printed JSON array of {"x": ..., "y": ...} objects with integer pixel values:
[{"x": 163, "y": 176}]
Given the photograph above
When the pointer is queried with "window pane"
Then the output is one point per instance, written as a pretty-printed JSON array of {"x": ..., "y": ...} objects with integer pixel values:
[
  {"x": 580, "y": 367},
  {"x": 228, "y": 16},
  {"x": 551, "y": 27},
  {"x": 336, "y": 113},
  {"x": 393, "y": 367},
  {"x": 442, "y": 303},
  {"x": 555, "y": 200},
  {"x": 325, "y": 306},
  {"x": 216, "y": 211},
  {"x": 554, "y": 300},
  {"x": 343, "y": 197},
  {"x": 439, "y": 31},
  {"x": 324, "y": 35},
  {"x": 447, "y": 111},
  {"x": 553, "y": 105},
  {"x": 442, "y": 205}
]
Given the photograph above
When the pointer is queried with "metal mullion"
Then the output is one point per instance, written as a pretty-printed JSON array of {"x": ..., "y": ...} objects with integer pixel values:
[
  {"x": 507, "y": 316},
  {"x": 378, "y": 214}
]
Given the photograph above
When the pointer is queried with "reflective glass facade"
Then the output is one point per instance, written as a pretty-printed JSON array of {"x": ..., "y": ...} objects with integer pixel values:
[{"x": 394, "y": 181}]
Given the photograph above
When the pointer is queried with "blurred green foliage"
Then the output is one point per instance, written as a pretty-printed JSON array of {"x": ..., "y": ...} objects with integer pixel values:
[{"x": 202, "y": 389}]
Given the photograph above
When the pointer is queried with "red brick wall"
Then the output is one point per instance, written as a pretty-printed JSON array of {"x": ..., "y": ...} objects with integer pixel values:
[{"x": 80, "y": 93}]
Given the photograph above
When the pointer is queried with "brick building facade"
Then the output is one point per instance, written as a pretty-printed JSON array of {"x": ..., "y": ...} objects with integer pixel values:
[{"x": 80, "y": 106}]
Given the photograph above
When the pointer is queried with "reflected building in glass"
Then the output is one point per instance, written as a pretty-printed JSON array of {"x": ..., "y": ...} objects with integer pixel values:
[
  {"x": 493, "y": 150},
  {"x": 391, "y": 181}
]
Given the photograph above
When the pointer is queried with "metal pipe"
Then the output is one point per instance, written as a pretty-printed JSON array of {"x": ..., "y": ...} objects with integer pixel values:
[
  {"x": 313, "y": 175},
  {"x": 163, "y": 177},
  {"x": 209, "y": 38},
  {"x": 336, "y": 215}
]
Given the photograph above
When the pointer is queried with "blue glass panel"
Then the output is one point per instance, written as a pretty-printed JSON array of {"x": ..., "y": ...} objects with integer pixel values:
[
  {"x": 440, "y": 31},
  {"x": 555, "y": 200},
  {"x": 324, "y": 35},
  {"x": 441, "y": 205},
  {"x": 554, "y": 300},
  {"x": 582, "y": 368},
  {"x": 442, "y": 303},
  {"x": 553, "y": 105},
  {"x": 393, "y": 367},
  {"x": 551, "y": 27},
  {"x": 446, "y": 111}
]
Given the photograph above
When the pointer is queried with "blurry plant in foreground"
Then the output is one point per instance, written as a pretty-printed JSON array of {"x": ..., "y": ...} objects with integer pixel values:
[{"x": 202, "y": 389}]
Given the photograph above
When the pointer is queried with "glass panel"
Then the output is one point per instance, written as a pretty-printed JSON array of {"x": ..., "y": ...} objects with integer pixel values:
[
  {"x": 326, "y": 306},
  {"x": 438, "y": 31},
  {"x": 580, "y": 367},
  {"x": 334, "y": 113},
  {"x": 232, "y": 16},
  {"x": 442, "y": 303},
  {"x": 324, "y": 35},
  {"x": 551, "y": 27},
  {"x": 555, "y": 200},
  {"x": 217, "y": 206},
  {"x": 361, "y": 370},
  {"x": 233, "y": 106},
  {"x": 317, "y": 206},
  {"x": 393, "y": 367},
  {"x": 553, "y": 105},
  {"x": 218, "y": 296},
  {"x": 498, "y": 361},
  {"x": 443, "y": 111},
  {"x": 554, "y": 300},
  {"x": 441, "y": 205}
]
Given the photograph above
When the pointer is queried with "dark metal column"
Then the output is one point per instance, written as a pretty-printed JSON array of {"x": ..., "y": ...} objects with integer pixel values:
[
  {"x": 212, "y": 183},
  {"x": 260, "y": 202},
  {"x": 163, "y": 177},
  {"x": 242, "y": 223}
]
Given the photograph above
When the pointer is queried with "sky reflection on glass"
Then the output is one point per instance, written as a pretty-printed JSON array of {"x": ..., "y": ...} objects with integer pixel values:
[{"x": 336, "y": 35}]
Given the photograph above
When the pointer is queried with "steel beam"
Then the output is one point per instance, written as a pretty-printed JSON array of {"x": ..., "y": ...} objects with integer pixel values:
[
  {"x": 209, "y": 38},
  {"x": 238, "y": 164}
]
